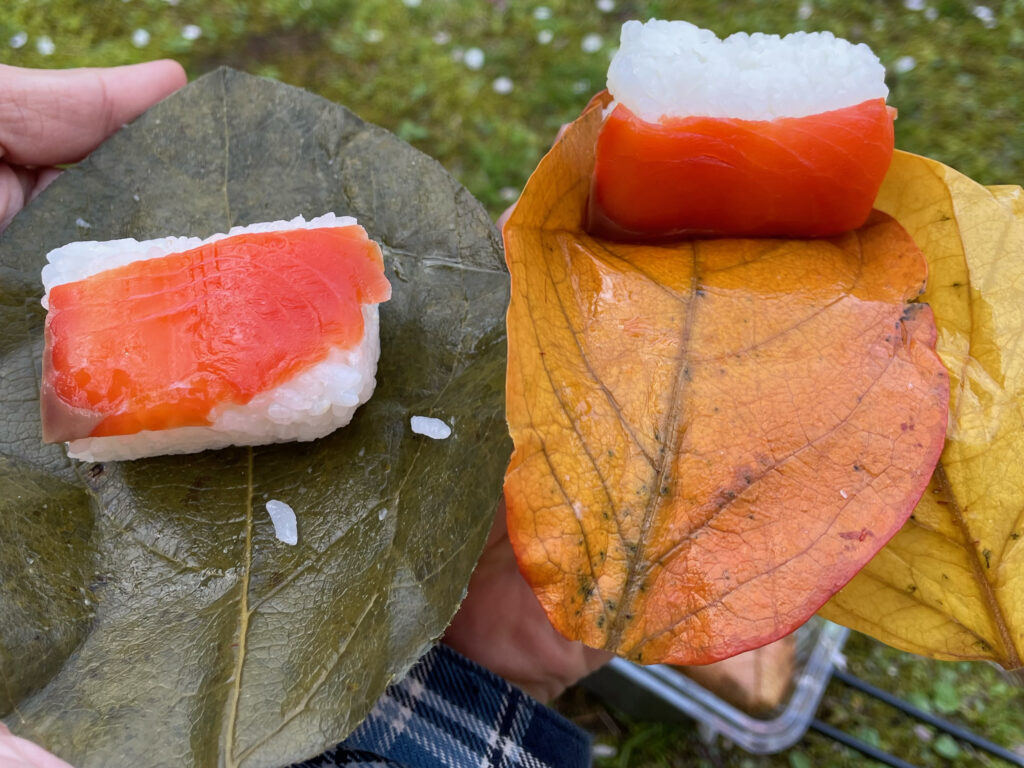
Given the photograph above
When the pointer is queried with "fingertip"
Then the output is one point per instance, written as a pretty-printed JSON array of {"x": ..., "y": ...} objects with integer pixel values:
[{"x": 152, "y": 80}]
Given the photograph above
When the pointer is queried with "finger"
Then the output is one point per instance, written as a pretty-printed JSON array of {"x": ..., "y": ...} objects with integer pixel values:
[
  {"x": 44, "y": 178},
  {"x": 16, "y": 752},
  {"x": 16, "y": 185},
  {"x": 48, "y": 117}
]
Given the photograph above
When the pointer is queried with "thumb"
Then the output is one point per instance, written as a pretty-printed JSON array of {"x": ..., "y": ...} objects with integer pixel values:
[
  {"x": 48, "y": 117},
  {"x": 16, "y": 752}
]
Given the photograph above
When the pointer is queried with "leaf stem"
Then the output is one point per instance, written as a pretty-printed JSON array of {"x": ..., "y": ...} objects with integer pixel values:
[
  {"x": 1012, "y": 659},
  {"x": 243, "y": 620}
]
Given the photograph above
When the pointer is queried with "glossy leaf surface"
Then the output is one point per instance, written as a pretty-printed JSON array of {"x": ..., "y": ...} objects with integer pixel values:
[
  {"x": 711, "y": 437},
  {"x": 951, "y": 583},
  {"x": 149, "y": 614}
]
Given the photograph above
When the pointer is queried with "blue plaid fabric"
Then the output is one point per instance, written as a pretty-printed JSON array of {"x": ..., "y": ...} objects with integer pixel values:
[{"x": 452, "y": 713}]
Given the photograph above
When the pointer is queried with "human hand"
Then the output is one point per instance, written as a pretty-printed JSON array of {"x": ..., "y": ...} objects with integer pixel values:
[
  {"x": 501, "y": 626},
  {"x": 54, "y": 117},
  {"x": 16, "y": 752}
]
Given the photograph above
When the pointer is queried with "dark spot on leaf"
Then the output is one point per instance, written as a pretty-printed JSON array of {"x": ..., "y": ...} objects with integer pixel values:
[
  {"x": 610, "y": 605},
  {"x": 987, "y": 554},
  {"x": 857, "y": 468},
  {"x": 912, "y": 588},
  {"x": 956, "y": 285},
  {"x": 750, "y": 515},
  {"x": 945, "y": 577},
  {"x": 600, "y": 621},
  {"x": 1014, "y": 535},
  {"x": 861, "y": 535}
]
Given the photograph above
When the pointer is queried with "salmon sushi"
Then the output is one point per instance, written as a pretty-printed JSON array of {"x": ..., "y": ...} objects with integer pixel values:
[
  {"x": 267, "y": 333},
  {"x": 753, "y": 135}
]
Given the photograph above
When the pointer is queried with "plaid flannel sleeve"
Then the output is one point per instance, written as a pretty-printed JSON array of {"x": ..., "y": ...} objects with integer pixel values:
[{"x": 450, "y": 712}]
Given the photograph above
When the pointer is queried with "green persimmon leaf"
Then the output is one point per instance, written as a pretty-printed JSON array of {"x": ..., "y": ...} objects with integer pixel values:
[{"x": 149, "y": 614}]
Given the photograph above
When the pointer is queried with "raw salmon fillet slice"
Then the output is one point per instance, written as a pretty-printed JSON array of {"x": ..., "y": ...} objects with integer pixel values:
[
  {"x": 158, "y": 343},
  {"x": 811, "y": 176}
]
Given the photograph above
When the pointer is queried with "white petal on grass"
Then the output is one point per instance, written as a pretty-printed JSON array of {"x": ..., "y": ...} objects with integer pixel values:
[
  {"x": 430, "y": 427},
  {"x": 18, "y": 40},
  {"x": 931, "y": 13},
  {"x": 984, "y": 14},
  {"x": 581, "y": 86},
  {"x": 474, "y": 58},
  {"x": 140, "y": 38},
  {"x": 412, "y": 3},
  {"x": 904, "y": 64},
  {"x": 592, "y": 43},
  {"x": 382, "y": 513},
  {"x": 804, "y": 11},
  {"x": 283, "y": 517},
  {"x": 191, "y": 32},
  {"x": 542, "y": 13},
  {"x": 545, "y": 36},
  {"x": 508, "y": 194},
  {"x": 502, "y": 85},
  {"x": 80, "y": 222},
  {"x": 45, "y": 46},
  {"x": 373, "y": 36},
  {"x": 442, "y": 38},
  {"x": 913, "y": 5},
  {"x": 605, "y": 6}
]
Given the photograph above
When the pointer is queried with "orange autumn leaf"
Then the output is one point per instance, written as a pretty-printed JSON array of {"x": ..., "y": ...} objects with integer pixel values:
[{"x": 711, "y": 437}]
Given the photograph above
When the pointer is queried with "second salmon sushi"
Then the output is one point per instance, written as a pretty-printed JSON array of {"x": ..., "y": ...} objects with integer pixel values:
[
  {"x": 268, "y": 333},
  {"x": 754, "y": 135}
]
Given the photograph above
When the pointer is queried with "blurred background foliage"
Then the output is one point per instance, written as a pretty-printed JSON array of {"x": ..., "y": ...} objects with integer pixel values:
[{"x": 483, "y": 85}]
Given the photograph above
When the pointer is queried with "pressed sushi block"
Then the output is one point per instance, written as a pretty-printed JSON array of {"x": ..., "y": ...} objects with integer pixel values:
[
  {"x": 268, "y": 333},
  {"x": 754, "y": 135}
]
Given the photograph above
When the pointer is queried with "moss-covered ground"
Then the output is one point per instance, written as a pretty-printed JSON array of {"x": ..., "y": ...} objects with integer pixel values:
[{"x": 483, "y": 85}]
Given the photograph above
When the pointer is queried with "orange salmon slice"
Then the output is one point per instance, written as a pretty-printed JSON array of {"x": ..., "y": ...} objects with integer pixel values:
[
  {"x": 157, "y": 344},
  {"x": 811, "y": 176}
]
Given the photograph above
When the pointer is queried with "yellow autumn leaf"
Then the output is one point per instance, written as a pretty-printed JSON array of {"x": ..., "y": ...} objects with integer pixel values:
[{"x": 951, "y": 583}]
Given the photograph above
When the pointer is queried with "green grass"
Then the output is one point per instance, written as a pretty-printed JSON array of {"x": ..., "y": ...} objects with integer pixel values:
[
  {"x": 973, "y": 695},
  {"x": 405, "y": 68}
]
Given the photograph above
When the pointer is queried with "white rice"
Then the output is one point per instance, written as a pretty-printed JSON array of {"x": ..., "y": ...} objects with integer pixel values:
[
  {"x": 675, "y": 69},
  {"x": 312, "y": 404},
  {"x": 286, "y": 527},
  {"x": 430, "y": 427}
]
